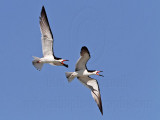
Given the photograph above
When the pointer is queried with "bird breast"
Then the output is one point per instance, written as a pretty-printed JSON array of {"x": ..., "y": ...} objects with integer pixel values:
[
  {"x": 47, "y": 59},
  {"x": 82, "y": 73}
]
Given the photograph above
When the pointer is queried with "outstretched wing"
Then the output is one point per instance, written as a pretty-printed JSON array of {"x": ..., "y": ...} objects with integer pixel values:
[
  {"x": 47, "y": 36},
  {"x": 84, "y": 57},
  {"x": 92, "y": 84}
]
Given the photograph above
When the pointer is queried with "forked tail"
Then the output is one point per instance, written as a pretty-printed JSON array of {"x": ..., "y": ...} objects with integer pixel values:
[
  {"x": 70, "y": 76},
  {"x": 36, "y": 63}
]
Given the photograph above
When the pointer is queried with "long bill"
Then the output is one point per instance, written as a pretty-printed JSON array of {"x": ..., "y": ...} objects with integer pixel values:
[{"x": 99, "y": 74}]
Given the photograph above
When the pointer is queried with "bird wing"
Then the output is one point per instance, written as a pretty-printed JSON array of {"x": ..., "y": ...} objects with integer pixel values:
[
  {"x": 92, "y": 84},
  {"x": 47, "y": 36},
  {"x": 82, "y": 61}
]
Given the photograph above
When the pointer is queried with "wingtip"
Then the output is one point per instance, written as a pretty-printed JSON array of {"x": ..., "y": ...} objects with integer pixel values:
[
  {"x": 101, "y": 111},
  {"x": 43, "y": 10},
  {"x": 97, "y": 98},
  {"x": 84, "y": 49},
  {"x": 100, "y": 107},
  {"x": 43, "y": 7}
]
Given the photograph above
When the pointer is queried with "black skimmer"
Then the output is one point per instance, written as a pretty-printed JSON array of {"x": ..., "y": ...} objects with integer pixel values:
[
  {"x": 47, "y": 45},
  {"x": 82, "y": 73}
]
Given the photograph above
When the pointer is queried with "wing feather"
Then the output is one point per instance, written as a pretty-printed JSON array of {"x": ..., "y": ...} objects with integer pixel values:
[
  {"x": 82, "y": 61},
  {"x": 92, "y": 84},
  {"x": 47, "y": 36}
]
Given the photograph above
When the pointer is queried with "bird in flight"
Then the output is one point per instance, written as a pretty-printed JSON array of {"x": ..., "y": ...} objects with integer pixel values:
[
  {"x": 47, "y": 45},
  {"x": 82, "y": 73}
]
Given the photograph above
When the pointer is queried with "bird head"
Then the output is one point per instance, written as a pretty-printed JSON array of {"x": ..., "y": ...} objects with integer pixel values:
[
  {"x": 62, "y": 61},
  {"x": 97, "y": 73}
]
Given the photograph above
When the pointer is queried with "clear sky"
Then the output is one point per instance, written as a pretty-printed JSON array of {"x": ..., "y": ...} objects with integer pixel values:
[{"x": 123, "y": 37}]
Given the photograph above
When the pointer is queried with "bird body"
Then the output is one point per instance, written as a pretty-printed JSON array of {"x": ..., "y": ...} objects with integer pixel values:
[
  {"x": 47, "y": 59},
  {"x": 82, "y": 73},
  {"x": 47, "y": 45}
]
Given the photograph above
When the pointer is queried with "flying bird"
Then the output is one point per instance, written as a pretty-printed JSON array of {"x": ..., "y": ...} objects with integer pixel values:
[
  {"x": 47, "y": 45},
  {"x": 82, "y": 73}
]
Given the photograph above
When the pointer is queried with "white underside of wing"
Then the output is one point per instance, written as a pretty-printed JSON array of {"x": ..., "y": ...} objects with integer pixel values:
[
  {"x": 92, "y": 84},
  {"x": 47, "y": 37},
  {"x": 47, "y": 45},
  {"x": 81, "y": 63}
]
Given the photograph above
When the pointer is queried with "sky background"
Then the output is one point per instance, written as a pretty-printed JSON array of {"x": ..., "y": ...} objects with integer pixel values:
[{"x": 123, "y": 38}]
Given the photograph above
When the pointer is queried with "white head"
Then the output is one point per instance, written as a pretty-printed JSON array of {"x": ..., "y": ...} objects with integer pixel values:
[{"x": 62, "y": 62}]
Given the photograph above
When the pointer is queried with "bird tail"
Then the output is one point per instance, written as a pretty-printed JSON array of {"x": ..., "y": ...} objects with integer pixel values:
[
  {"x": 69, "y": 76},
  {"x": 36, "y": 63}
]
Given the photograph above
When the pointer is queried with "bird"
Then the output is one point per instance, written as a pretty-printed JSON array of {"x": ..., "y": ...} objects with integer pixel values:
[
  {"x": 47, "y": 45},
  {"x": 83, "y": 74}
]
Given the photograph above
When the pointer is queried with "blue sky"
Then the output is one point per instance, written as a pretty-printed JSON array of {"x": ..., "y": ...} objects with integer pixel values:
[{"x": 123, "y": 38}]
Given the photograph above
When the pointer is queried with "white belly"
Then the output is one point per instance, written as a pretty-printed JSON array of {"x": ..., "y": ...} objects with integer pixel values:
[
  {"x": 47, "y": 59},
  {"x": 82, "y": 73}
]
